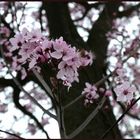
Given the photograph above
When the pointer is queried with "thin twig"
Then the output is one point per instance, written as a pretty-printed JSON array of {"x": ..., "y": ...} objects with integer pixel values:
[
  {"x": 115, "y": 123},
  {"x": 23, "y": 9},
  {"x": 72, "y": 102},
  {"x": 45, "y": 85},
  {"x": 88, "y": 119},
  {"x": 11, "y": 134},
  {"x": 128, "y": 113}
]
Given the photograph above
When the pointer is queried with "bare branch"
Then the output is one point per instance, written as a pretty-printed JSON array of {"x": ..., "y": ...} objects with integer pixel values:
[
  {"x": 88, "y": 119},
  {"x": 16, "y": 94},
  {"x": 45, "y": 85},
  {"x": 87, "y": 7},
  {"x": 9, "y": 133},
  {"x": 120, "y": 118},
  {"x": 128, "y": 113}
]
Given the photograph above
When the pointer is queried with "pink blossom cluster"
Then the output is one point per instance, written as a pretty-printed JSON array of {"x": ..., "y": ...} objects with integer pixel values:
[
  {"x": 124, "y": 90},
  {"x": 26, "y": 50},
  {"x": 29, "y": 49},
  {"x": 71, "y": 60},
  {"x": 90, "y": 93}
]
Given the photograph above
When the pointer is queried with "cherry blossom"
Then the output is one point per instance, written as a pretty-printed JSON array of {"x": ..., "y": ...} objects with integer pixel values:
[
  {"x": 121, "y": 72},
  {"x": 16, "y": 42},
  {"x": 60, "y": 47},
  {"x": 28, "y": 47},
  {"x": 90, "y": 92},
  {"x": 32, "y": 128},
  {"x": 108, "y": 93},
  {"x": 87, "y": 58},
  {"x": 33, "y": 49},
  {"x": 125, "y": 92},
  {"x": 44, "y": 121},
  {"x": 67, "y": 73}
]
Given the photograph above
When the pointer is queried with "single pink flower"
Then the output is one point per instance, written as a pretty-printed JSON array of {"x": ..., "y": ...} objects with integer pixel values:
[
  {"x": 32, "y": 128},
  {"x": 16, "y": 42},
  {"x": 125, "y": 92},
  {"x": 33, "y": 36},
  {"x": 87, "y": 58}
]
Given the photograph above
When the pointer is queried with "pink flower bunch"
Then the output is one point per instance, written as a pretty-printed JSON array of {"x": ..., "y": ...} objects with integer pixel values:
[
  {"x": 70, "y": 60},
  {"x": 29, "y": 49},
  {"x": 26, "y": 50},
  {"x": 90, "y": 92},
  {"x": 123, "y": 90}
]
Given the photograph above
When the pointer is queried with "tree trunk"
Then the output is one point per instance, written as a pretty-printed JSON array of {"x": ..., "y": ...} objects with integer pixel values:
[{"x": 61, "y": 24}]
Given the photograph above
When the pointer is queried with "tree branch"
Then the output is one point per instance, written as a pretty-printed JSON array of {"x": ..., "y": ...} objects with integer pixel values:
[
  {"x": 64, "y": 25},
  {"x": 128, "y": 113},
  {"x": 87, "y": 8},
  {"x": 16, "y": 98},
  {"x": 45, "y": 85},
  {"x": 107, "y": 132},
  {"x": 88, "y": 119},
  {"x": 11, "y": 134}
]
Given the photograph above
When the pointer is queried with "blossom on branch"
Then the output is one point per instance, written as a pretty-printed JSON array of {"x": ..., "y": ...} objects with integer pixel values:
[
  {"x": 90, "y": 92},
  {"x": 125, "y": 92},
  {"x": 30, "y": 49}
]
